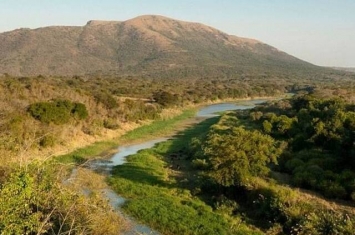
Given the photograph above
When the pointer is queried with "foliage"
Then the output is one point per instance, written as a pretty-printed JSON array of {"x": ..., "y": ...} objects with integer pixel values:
[
  {"x": 111, "y": 124},
  {"x": 289, "y": 132},
  {"x": 320, "y": 135},
  {"x": 106, "y": 99},
  {"x": 79, "y": 110},
  {"x": 326, "y": 222},
  {"x": 236, "y": 155},
  {"x": 161, "y": 202},
  {"x": 32, "y": 201},
  {"x": 57, "y": 111},
  {"x": 47, "y": 141},
  {"x": 112, "y": 102},
  {"x": 165, "y": 98}
]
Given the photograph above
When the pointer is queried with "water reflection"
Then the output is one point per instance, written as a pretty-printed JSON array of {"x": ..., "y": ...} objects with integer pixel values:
[{"x": 214, "y": 109}]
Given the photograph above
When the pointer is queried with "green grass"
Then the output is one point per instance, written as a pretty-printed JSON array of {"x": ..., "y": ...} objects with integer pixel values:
[
  {"x": 155, "y": 129},
  {"x": 161, "y": 201},
  {"x": 158, "y": 128},
  {"x": 82, "y": 154}
]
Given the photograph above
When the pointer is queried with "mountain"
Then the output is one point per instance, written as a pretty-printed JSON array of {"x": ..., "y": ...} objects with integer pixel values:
[{"x": 146, "y": 45}]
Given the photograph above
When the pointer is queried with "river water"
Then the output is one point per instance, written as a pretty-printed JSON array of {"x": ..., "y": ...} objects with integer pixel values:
[
  {"x": 123, "y": 151},
  {"x": 214, "y": 109}
]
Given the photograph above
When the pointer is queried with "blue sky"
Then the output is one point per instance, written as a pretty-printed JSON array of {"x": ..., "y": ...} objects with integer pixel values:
[{"x": 319, "y": 31}]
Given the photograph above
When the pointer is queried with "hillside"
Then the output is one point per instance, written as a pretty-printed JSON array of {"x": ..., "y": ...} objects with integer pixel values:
[
  {"x": 347, "y": 69},
  {"x": 146, "y": 45}
]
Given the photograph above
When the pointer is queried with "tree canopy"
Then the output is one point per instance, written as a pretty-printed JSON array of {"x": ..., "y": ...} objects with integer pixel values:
[{"x": 236, "y": 155}]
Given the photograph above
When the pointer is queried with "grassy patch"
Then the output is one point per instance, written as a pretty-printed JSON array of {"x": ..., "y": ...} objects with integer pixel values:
[
  {"x": 158, "y": 196},
  {"x": 155, "y": 129},
  {"x": 158, "y": 128},
  {"x": 82, "y": 154}
]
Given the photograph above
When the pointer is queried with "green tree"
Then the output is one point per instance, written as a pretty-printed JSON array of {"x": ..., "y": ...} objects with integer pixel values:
[
  {"x": 238, "y": 155},
  {"x": 284, "y": 124},
  {"x": 267, "y": 126},
  {"x": 57, "y": 111},
  {"x": 79, "y": 110},
  {"x": 165, "y": 98}
]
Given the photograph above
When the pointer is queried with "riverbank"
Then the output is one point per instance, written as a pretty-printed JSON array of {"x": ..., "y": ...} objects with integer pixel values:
[
  {"x": 163, "y": 192},
  {"x": 167, "y": 127},
  {"x": 159, "y": 128},
  {"x": 166, "y": 190}
]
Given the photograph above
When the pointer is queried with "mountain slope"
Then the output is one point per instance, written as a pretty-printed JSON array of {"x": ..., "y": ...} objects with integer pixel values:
[{"x": 146, "y": 45}]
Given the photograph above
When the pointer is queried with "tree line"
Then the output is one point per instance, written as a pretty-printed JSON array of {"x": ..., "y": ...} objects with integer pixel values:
[{"x": 305, "y": 142}]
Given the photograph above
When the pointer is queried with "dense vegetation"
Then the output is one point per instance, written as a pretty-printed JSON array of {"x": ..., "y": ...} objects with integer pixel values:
[
  {"x": 152, "y": 183},
  {"x": 40, "y": 113},
  {"x": 34, "y": 200},
  {"x": 57, "y": 111},
  {"x": 216, "y": 171},
  {"x": 305, "y": 142},
  {"x": 43, "y": 116},
  {"x": 320, "y": 136}
]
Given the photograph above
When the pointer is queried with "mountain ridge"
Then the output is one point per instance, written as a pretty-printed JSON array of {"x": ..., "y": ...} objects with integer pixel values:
[{"x": 145, "y": 45}]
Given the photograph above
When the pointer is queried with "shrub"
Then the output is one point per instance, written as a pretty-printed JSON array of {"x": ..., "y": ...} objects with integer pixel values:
[
  {"x": 333, "y": 190},
  {"x": 200, "y": 164},
  {"x": 308, "y": 176},
  {"x": 165, "y": 98},
  {"x": 79, "y": 110},
  {"x": 225, "y": 206},
  {"x": 32, "y": 201},
  {"x": 111, "y": 124},
  {"x": 327, "y": 223},
  {"x": 47, "y": 141},
  {"x": 106, "y": 99},
  {"x": 57, "y": 111},
  {"x": 267, "y": 126},
  {"x": 292, "y": 164}
]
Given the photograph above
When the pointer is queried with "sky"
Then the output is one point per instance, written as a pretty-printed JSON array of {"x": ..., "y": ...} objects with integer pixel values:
[{"x": 318, "y": 31}]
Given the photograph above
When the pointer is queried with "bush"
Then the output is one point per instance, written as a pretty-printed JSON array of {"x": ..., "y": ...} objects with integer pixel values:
[
  {"x": 327, "y": 223},
  {"x": 200, "y": 164},
  {"x": 29, "y": 203},
  {"x": 111, "y": 124},
  {"x": 308, "y": 176},
  {"x": 33, "y": 201},
  {"x": 267, "y": 126},
  {"x": 292, "y": 164},
  {"x": 165, "y": 98},
  {"x": 225, "y": 206},
  {"x": 106, "y": 99},
  {"x": 47, "y": 141},
  {"x": 58, "y": 111},
  {"x": 333, "y": 190},
  {"x": 79, "y": 110}
]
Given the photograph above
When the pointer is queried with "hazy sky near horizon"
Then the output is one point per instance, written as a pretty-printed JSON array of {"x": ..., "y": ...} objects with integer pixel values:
[{"x": 319, "y": 31}]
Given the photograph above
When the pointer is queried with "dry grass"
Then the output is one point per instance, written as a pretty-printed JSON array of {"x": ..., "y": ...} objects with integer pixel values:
[{"x": 169, "y": 113}]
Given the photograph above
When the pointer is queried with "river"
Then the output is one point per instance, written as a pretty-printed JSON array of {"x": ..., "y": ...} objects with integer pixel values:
[{"x": 123, "y": 151}]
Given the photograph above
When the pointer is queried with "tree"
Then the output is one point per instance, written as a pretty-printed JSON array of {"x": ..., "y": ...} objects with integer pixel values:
[
  {"x": 165, "y": 98},
  {"x": 284, "y": 124},
  {"x": 57, "y": 111},
  {"x": 267, "y": 126},
  {"x": 238, "y": 155}
]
